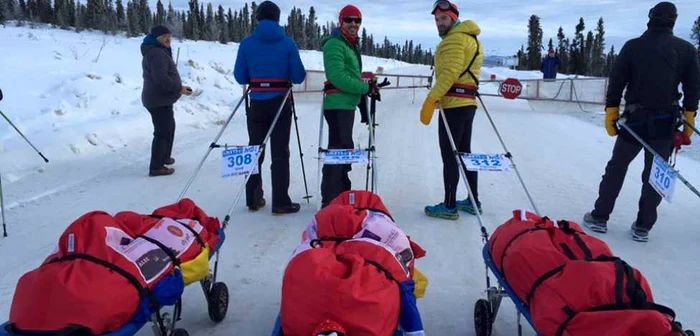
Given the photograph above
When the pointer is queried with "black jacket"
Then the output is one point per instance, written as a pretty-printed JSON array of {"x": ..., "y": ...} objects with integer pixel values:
[
  {"x": 161, "y": 81},
  {"x": 651, "y": 67}
]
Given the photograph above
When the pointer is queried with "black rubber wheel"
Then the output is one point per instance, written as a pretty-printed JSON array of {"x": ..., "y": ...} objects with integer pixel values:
[
  {"x": 482, "y": 318},
  {"x": 690, "y": 333},
  {"x": 180, "y": 332},
  {"x": 218, "y": 302}
]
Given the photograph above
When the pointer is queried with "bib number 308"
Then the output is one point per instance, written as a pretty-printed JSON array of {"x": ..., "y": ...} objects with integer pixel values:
[{"x": 239, "y": 161}]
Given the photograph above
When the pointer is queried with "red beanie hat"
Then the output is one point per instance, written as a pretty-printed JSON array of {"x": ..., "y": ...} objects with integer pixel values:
[{"x": 347, "y": 11}]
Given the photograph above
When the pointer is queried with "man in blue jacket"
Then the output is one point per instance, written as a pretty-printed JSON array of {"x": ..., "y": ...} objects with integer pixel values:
[
  {"x": 269, "y": 62},
  {"x": 549, "y": 65}
]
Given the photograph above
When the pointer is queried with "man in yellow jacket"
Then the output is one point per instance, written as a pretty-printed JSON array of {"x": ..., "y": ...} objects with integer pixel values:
[{"x": 458, "y": 61}]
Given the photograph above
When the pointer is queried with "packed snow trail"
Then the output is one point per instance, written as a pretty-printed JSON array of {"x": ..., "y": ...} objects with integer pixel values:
[{"x": 560, "y": 157}]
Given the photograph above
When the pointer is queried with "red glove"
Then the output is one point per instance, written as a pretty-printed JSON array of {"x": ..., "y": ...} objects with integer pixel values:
[{"x": 681, "y": 140}]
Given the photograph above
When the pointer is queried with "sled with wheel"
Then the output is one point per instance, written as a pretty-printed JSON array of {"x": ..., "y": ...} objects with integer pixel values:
[
  {"x": 566, "y": 282},
  {"x": 113, "y": 275}
]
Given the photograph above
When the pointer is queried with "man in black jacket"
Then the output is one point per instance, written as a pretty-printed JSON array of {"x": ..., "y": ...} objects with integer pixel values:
[
  {"x": 651, "y": 67},
  {"x": 162, "y": 87}
]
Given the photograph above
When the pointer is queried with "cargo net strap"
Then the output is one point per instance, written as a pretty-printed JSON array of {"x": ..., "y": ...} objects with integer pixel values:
[
  {"x": 78, "y": 329},
  {"x": 634, "y": 291}
]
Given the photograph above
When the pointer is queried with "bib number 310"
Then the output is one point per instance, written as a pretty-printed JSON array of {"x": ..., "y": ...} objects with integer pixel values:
[{"x": 662, "y": 178}]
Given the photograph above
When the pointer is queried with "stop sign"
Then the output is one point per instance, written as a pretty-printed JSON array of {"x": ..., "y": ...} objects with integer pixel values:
[{"x": 511, "y": 88}]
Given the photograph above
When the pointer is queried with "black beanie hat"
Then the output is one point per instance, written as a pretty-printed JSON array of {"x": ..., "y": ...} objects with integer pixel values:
[
  {"x": 268, "y": 11},
  {"x": 664, "y": 14},
  {"x": 159, "y": 30}
]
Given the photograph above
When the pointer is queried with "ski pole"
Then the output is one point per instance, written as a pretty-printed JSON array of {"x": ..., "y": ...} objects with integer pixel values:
[
  {"x": 2, "y": 204},
  {"x": 301, "y": 154},
  {"x": 257, "y": 156},
  {"x": 25, "y": 138},
  {"x": 623, "y": 122},
  {"x": 509, "y": 155},
  {"x": 462, "y": 169},
  {"x": 212, "y": 146}
]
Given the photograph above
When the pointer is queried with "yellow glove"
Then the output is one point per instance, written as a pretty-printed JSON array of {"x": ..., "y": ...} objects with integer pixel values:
[
  {"x": 426, "y": 112},
  {"x": 690, "y": 117},
  {"x": 611, "y": 116}
]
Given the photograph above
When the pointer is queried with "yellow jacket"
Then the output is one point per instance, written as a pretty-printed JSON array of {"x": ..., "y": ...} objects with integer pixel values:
[{"x": 452, "y": 57}]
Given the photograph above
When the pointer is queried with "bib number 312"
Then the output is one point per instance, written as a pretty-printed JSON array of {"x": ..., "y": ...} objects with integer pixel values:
[{"x": 486, "y": 162}]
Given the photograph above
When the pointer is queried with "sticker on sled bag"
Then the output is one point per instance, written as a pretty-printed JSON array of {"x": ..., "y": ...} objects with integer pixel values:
[{"x": 149, "y": 259}]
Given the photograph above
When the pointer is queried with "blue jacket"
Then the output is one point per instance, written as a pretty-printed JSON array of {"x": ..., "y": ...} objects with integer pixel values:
[
  {"x": 269, "y": 54},
  {"x": 549, "y": 67}
]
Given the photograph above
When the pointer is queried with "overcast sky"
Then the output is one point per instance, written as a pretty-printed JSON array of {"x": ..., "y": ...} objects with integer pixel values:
[{"x": 503, "y": 22}]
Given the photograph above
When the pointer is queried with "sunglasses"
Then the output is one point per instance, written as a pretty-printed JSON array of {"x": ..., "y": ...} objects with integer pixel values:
[
  {"x": 443, "y": 5},
  {"x": 352, "y": 19}
]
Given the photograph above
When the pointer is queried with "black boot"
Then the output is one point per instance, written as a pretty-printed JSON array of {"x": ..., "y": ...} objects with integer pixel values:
[
  {"x": 257, "y": 206},
  {"x": 285, "y": 209}
]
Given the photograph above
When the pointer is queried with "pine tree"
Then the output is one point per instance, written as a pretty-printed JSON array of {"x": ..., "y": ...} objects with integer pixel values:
[
  {"x": 253, "y": 21},
  {"x": 534, "y": 43},
  {"x": 576, "y": 50},
  {"x": 121, "y": 16},
  {"x": 245, "y": 23},
  {"x": 222, "y": 26},
  {"x": 145, "y": 17},
  {"x": 587, "y": 54},
  {"x": 598, "y": 55},
  {"x": 695, "y": 33},
  {"x": 550, "y": 45},
  {"x": 210, "y": 33},
  {"x": 610, "y": 61},
  {"x": 160, "y": 14},
  {"x": 310, "y": 31}
]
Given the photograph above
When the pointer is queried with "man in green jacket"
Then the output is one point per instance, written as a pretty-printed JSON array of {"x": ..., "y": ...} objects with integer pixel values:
[{"x": 343, "y": 89}]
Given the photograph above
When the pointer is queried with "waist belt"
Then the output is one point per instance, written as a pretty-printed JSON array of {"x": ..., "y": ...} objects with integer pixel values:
[
  {"x": 329, "y": 88},
  {"x": 462, "y": 91},
  {"x": 269, "y": 85}
]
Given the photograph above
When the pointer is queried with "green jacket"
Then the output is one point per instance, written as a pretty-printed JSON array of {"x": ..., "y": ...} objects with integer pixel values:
[{"x": 343, "y": 67}]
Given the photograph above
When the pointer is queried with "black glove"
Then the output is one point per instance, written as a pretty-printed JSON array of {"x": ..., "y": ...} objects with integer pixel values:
[{"x": 364, "y": 110}]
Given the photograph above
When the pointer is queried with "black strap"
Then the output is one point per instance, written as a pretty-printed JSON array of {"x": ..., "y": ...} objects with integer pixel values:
[
  {"x": 582, "y": 245},
  {"x": 167, "y": 250},
  {"x": 196, "y": 235},
  {"x": 128, "y": 276},
  {"x": 459, "y": 90},
  {"x": 540, "y": 281},
  {"x": 262, "y": 84},
  {"x": 476, "y": 80},
  {"x": 520, "y": 234},
  {"x": 70, "y": 330},
  {"x": 565, "y": 227},
  {"x": 571, "y": 314},
  {"x": 318, "y": 242},
  {"x": 567, "y": 250}
]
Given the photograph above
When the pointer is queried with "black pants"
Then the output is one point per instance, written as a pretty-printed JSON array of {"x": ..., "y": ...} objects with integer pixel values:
[
  {"x": 624, "y": 152},
  {"x": 163, "y": 135},
  {"x": 335, "y": 177},
  {"x": 460, "y": 121},
  {"x": 260, "y": 117}
]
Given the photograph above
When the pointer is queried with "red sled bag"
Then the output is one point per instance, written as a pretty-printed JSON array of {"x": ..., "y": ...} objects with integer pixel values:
[
  {"x": 104, "y": 267},
  {"x": 571, "y": 282},
  {"x": 349, "y": 270}
]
